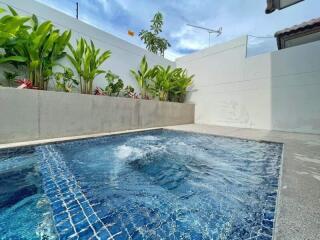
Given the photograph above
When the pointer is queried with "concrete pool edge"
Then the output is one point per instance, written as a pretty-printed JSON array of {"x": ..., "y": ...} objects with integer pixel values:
[
  {"x": 72, "y": 138},
  {"x": 298, "y": 205}
]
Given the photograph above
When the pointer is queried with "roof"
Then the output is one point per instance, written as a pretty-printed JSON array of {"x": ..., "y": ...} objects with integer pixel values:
[
  {"x": 300, "y": 27},
  {"x": 270, "y": 6}
]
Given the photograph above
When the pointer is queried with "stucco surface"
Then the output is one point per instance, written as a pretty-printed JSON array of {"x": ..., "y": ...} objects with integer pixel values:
[
  {"x": 30, "y": 115},
  {"x": 273, "y": 91}
]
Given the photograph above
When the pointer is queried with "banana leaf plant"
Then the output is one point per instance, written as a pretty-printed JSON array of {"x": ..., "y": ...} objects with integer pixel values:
[
  {"x": 76, "y": 59},
  {"x": 144, "y": 76},
  {"x": 87, "y": 60},
  {"x": 163, "y": 82},
  {"x": 39, "y": 47},
  {"x": 10, "y": 27},
  {"x": 182, "y": 82}
]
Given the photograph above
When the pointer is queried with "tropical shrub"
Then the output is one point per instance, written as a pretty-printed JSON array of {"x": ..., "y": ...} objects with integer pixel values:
[
  {"x": 180, "y": 85},
  {"x": 87, "y": 61},
  {"x": 129, "y": 92},
  {"x": 38, "y": 47},
  {"x": 143, "y": 77},
  {"x": 115, "y": 84},
  {"x": 162, "y": 84},
  {"x": 154, "y": 43},
  {"x": 166, "y": 84},
  {"x": 115, "y": 87},
  {"x": 65, "y": 80},
  {"x": 11, "y": 25}
]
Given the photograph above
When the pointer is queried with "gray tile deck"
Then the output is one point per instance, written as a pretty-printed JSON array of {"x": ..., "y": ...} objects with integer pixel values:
[{"x": 298, "y": 205}]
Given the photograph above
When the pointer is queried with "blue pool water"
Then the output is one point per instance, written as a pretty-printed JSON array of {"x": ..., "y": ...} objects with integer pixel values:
[{"x": 151, "y": 185}]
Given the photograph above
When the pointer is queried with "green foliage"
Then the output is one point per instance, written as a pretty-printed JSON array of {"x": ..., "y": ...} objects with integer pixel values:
[
  {"x": 38, "y": 47},
  {"x": 154, "y": 43},
  {"x": 10, "y": 28},
  {"x": 143, "y": 77},
  {"x": 65, "y": 80},
  {"x": 10, "y": 77},
  {"x": 129, "y": 92},
  {"x": 87, "y": 61},
  {"x": 76, "y": 59},
  {"x": 166, "y": 84},
  {"x": 162, "y": 83},
  {"x": 115, "y": 84},
  {"x": 180, "y": 85}
]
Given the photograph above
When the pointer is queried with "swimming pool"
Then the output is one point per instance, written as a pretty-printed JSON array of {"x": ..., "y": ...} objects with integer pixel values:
[{"x": 148, "y": 185}]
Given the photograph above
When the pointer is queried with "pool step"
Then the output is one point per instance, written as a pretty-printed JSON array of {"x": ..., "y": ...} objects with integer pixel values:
[{"x": 73, "y": 214}]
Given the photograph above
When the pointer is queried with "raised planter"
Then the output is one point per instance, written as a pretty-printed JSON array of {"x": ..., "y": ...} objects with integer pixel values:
[{"x": 31, "y": 115}]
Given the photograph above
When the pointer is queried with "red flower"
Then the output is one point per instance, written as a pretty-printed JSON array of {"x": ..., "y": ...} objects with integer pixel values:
[
  {"x": 99, "y": 92},
  {"x": 25, "y": 84}
]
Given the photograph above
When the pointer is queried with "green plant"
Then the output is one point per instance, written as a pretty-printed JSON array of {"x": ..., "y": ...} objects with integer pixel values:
[
  {"x": 65, "y": 80},
  {"x": 163, "y": 82},
  {"x": 10, "y": 77},
  {"x": 129, "y": 91},
  {"x": 154, "y": 43},
  {"x": 115, "y": 84},
  {"x": 76, "y": 59},
  {"x": 38, "y": 47},
  {"x": 180, "y": 86},
  {"x": 10, "y": 28},
  {"x": 144, "y": 76},
  {"x": 170, "y": 84},
  {"x": 87, "y": 60}
]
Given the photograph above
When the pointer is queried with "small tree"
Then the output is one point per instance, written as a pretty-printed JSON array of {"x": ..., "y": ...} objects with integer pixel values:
[{"x": 154, "y": 43}]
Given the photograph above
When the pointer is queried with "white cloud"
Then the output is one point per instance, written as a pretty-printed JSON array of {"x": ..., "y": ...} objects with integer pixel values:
[{"x": 237, "y": 17}]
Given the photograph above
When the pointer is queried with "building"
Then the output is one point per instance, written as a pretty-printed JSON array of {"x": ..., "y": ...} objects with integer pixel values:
[
  {"x": 272, "y": 5},
  {"x": 305, "y": 32}
]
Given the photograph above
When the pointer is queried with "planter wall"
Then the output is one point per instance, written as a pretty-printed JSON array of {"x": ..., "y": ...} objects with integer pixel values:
[{"x": 30, "y": 114}]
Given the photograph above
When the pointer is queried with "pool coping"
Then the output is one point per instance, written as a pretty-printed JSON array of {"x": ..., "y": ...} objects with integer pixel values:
[
  {"x": 298, "y": 200},
  {"x": 71, "y": 138}
]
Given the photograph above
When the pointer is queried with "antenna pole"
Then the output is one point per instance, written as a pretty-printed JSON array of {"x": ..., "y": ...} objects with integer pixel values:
[
  {"x": 77, "y": 10},
  {"x": 210, "y": 31}
]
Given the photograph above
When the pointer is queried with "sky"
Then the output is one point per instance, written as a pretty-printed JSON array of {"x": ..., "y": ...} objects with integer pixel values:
[{"x": 236, "y": 17}]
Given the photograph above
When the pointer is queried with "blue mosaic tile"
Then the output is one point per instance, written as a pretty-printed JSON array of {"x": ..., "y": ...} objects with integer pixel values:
[
  {"x": 263, "y": 237},
  {"x": 72, "y": 212},
  {"x": 78, "y": 215}
]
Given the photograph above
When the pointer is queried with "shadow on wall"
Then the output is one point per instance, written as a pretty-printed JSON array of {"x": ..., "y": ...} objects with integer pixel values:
[{"x": 295, "y": 89}]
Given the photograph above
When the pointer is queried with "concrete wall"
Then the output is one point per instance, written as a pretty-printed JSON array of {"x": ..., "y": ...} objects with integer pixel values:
[
  {"x": 125, "y": 56},
  {"x": 30, "y": 114},
  {"x": 278, "y": 90}
]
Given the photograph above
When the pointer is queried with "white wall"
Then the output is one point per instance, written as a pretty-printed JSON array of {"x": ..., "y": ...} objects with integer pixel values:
[
  {"x": 125, "y": 56},
  {"x": 278, "y": 90}
]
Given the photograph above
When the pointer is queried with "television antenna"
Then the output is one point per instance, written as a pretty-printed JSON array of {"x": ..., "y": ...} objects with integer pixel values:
[
  {"x": 77, "y": 10},
  {"x": 210, "y": 31}
]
